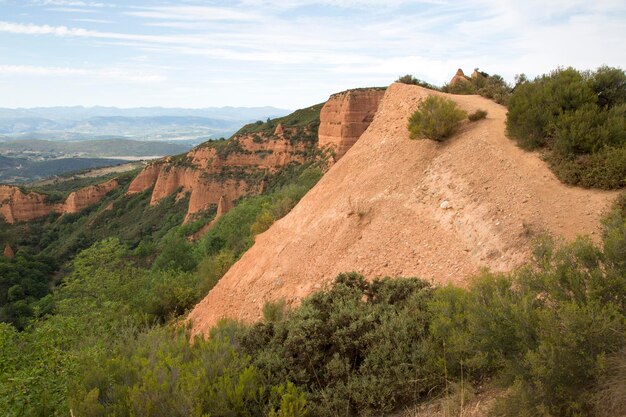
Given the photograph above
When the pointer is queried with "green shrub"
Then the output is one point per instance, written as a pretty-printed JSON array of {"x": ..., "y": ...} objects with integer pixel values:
[
  {"x": 436, "y": 118},
  {"x": 535, "y": 106},
  {"x": 176, "y": 254},
  {"x": 172, "y": 293},
  {"x": 495, "y": 88},
  {"x": 579, "y": 118},
  {"x": 477, "y": 115},
  {"x": 603, "y": 169},
  {"x": 213, "y": 267},
  {"x": 410, "y": 79},
  {"x": 359, "y": 348},
  {"x": 461, "y": 87},
  {"x": 274, "y": 311},
  {"x": 609, "y": 84}
]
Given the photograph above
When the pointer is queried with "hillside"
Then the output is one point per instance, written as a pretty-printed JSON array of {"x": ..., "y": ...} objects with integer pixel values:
[
  {"x": 230, "y": 169},
  {"x": 392, "y": 206}
]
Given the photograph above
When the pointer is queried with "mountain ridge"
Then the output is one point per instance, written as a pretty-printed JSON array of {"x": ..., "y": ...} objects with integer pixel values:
[{"x": 391, "y": 206}]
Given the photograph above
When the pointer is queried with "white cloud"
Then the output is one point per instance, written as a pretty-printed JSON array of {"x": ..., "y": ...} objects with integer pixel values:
[
  {"x": 336, "y": 43},
  {"x": 90, "y": 20},
  {"x": 194, "y": 13},
  {"x": 117, "y": 74},
  {"x": 71, "y": 3},
  {"x": 289, "y": 4}
]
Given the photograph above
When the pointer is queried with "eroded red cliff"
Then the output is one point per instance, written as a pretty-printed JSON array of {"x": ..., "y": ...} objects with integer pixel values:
[
  {"x": 88, "y": 196},
  {"x": 16, "y": 205},
  {"x": 345, "y": 117},
  {"x": 222, "y": 170}
]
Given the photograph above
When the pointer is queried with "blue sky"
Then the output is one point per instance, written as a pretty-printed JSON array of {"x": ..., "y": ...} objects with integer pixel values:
[{"x": 285, "y": 53}]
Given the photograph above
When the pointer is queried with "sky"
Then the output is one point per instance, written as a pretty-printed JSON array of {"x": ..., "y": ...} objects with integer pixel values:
[{"x": 284, "y": 53}]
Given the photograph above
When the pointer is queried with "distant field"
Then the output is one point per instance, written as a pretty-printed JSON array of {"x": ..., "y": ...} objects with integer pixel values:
[
  {"x": 15, "y": 171},
  {"x": 35, "y": 148}
]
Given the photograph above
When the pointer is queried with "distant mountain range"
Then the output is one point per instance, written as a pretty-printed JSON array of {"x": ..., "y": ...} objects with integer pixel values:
[
  {"x": 152, "y": 123},
  {"x": 81, "y": 112}
]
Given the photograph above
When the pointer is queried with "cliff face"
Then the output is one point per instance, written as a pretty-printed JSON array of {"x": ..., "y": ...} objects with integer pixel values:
[
  {"x": 88, "y": 196},
  {"x": 221, "y": 170},
  {"x": 17, "y": 206},
  {"x": 345, "y": 117},
  {"x": 145, "y": 179},
  {"x": 398, "y": 207}
]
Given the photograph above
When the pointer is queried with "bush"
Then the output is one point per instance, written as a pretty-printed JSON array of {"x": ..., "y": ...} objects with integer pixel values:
[
  {"x": 359, "y": 348},
  {"x": 477, "y": 115},
  {"x": 493, "y": 87},
  {"x": 580, "y": 119},
  {"x": 409, "y": 79},
  {"x": 436, "y": 118}
]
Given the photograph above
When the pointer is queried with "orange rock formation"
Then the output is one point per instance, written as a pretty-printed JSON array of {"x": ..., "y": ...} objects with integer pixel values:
[
  {"x": 88, "y": 196},
  {"x": 16, "y": 206},
  {"x": 145, "y": 180},
  {"x": 394, "y": 206},
  {"x": 460, "y": 77},
  {"x": 345, "y": 117},
  {"x": 210, "y": 175},
  {"x": 8, "y": 252},
  {"x": 223, "y": 206}
]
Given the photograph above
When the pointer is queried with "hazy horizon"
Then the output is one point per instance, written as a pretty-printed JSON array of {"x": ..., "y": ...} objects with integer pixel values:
[{"x": 287, "y": 54}]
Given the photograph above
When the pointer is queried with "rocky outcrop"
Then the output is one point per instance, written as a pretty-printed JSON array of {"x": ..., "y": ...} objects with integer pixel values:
[
  {"x": 345, "y": 117},
  {"x": 145, "y": 180},
  {"x": 223, "y": 206},
  {"x": 8, "y": 252},
  {"x": 221, "y": 171},
  {"x": 88, "y": 196},
  {"x": 16, "y": 206},
  {"x": 460, "y": 78},
  {"x": 279, "y": 131}
]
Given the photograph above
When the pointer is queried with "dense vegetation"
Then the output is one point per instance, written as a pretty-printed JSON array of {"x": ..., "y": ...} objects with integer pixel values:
[
  {"x": 493, "y": 87},
  {"x": 24, "y": 283},
  {"x": 436, "y": 118},
  {"x": 549, "y": 333},
  {"x": 304, "y": 118},
  {"x": 412, "y": 80},
  {"x": 580, "y": 119}
]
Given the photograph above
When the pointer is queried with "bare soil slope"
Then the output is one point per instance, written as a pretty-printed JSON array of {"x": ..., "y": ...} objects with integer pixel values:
[{"x": 394, "y": 206}]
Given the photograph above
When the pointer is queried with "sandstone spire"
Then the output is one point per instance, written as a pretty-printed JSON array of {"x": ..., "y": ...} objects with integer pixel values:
[{"x": 8, "y": 252}]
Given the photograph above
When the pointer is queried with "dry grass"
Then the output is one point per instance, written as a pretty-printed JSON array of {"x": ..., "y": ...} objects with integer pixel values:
[
  {"x": 459, "y": 403},
  {"x": 611, "y": 398}
]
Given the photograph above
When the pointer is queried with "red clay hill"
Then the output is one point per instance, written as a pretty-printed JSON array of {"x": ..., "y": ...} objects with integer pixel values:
[{"x": 394, "y": 206}]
